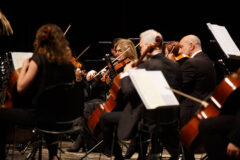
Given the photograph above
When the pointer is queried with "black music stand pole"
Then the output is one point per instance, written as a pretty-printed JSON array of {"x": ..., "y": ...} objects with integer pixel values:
[{"x": 88, "y": 152}]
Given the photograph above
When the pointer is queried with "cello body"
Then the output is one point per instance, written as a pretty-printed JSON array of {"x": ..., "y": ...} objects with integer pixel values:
[
  {"x": 110, "y": 103},
  {"x": 107, "y": 106},
  {"x": 189, "y": 133},
  {"x": 11, "y": 84}
]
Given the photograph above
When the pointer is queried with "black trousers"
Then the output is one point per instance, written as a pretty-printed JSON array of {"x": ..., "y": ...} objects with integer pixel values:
[
  {"x": 214, "y": 132},
  {"x": 23, "y": 118},
  {"x": 187, "y": 111},
  {"x": 108, "y": 123}
]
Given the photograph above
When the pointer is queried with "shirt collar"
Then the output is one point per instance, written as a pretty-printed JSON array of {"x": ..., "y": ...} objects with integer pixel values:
[{"x": 195, "y": 53}]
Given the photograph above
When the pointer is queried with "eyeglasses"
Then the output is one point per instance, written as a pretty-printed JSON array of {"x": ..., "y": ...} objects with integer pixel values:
[{"x": 120, "y": 51}]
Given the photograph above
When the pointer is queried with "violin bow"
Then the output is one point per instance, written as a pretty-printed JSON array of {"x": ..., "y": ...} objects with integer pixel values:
[
  {"x": 171, "y": 50},
  {"x": 203, "y": 103},
  {"x": 115, "y": 59},
  {"x": 125, "y": 52},
  {"x": 67, "y": 29},
  {"x": 83, "y": 52}
]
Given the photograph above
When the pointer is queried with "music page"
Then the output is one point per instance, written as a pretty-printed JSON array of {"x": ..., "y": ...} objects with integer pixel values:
[
  {"x": 19, "y": 57},
  {"x": 224, "y": 39},
  {"x": 152, "y": 88}
]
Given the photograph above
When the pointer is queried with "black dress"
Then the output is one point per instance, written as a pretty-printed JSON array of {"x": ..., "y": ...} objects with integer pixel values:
[{"x": 26, "y": 116}]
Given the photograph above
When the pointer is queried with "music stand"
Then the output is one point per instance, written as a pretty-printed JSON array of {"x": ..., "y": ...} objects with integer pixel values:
[
  {"x": 155, "y": 94},
  {"x": 153, "y": 88},
  {"x": 229, "y": 52}
]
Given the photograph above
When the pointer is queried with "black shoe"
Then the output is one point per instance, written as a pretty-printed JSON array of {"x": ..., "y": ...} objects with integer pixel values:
[
  {"x": 106, "y": 152},
  {"x": 73, "y": 150},
  {"x": 130, "y": 151},
  {"x": 153, "y": 157},
  {"x": 118, "y": 158},
  {"x": 77, "y": 144}
]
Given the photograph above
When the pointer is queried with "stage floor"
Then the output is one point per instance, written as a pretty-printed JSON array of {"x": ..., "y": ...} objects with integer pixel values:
[{"x": 16, "y": 155}]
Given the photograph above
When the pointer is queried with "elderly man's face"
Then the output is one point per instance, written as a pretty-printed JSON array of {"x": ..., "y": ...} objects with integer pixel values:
[{"x": 184, "y": 47}]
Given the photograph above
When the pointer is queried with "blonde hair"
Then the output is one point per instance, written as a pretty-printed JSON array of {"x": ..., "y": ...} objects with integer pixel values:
[
  {"x": 5, "y": 26},
  {"x": 124, "y": 44}
]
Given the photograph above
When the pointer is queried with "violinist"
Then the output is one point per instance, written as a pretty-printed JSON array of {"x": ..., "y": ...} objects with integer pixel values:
[
  {"x": 50, "y": 64},
  {"x": 199, "y": 79},
  {"x": 171, "y": 50},
  {"x": 221, "y": 135},
  {"x": 126, "y": 121},
  {"x": 120, "y": 45}
]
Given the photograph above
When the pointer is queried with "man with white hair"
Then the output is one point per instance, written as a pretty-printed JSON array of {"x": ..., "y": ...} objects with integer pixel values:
[
  {"x": 128, "y": 120},
  {"x": 198, "y": 76}
]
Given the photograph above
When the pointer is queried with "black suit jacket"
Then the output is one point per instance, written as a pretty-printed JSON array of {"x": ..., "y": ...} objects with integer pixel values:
[
  {"x": 199, "y": 80},
  {"x": 134, "y": 106}
]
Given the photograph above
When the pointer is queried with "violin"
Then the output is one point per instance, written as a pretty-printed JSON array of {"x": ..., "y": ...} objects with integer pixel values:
[
  {"x": 117, "y": 66},
  {"x": 74, "y": 60},
  {"x": 181, "y": 57},
  {"x": 75, "y": 63}
]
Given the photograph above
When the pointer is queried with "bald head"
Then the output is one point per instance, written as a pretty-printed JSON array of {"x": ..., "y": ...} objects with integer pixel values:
[
  {"x": 193, "y": 39},
  {"x": 189, "y": 44}
]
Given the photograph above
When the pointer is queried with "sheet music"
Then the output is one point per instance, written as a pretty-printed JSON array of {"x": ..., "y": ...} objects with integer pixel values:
[
  {"x": 19, "y": 57},
  {"x": 224, "y": 39},
  {"x": 152, "y": 88}
]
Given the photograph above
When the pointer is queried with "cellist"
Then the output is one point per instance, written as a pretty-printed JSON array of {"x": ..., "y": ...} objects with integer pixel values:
[
  {"x": 221, "y": 135},
  {"x": 126, "y": 120}
]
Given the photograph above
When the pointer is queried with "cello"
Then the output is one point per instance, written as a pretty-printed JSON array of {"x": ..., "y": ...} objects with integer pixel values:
[
  {"x": 15, "y": 135},
  {"x": 110, "y": 104},
  {"x": 11, "y": 84},
  {"x": 189, "y": 132}
]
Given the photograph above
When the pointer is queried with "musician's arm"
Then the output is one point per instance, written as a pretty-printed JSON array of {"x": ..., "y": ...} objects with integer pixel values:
[
  {"x": 26, "y": 76},
  {"x": 233, "y": 148}
]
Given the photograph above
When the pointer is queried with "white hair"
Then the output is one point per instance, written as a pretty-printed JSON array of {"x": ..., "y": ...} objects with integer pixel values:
[{"x": 150, "y": 36}]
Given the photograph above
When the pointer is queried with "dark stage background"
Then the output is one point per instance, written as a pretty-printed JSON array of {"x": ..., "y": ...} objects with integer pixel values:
[{"x": 100, "y": 21}]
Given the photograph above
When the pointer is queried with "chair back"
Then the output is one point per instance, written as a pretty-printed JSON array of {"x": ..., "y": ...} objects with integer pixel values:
[{"x": 59, "y": 103}]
